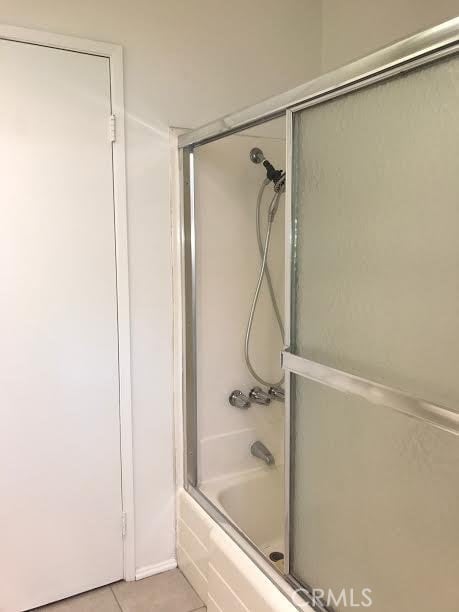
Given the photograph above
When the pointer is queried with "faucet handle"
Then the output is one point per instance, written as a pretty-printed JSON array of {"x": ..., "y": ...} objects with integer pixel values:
[
  {"x": 239, "y": 400},
  {"x": 276, "y": 393},
  {"x": 258, "y": 396}
]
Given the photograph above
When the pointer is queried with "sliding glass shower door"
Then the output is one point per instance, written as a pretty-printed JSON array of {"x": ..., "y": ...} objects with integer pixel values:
[
  {"x": 371, "y": 325},
  {"x": 374, "y": 354}
]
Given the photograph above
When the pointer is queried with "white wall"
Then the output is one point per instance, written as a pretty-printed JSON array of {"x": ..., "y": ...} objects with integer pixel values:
[
  {"x": 227, "y": 268},
  {"x": 353, "y": 28},
  {"x": 185, "y": 63}
]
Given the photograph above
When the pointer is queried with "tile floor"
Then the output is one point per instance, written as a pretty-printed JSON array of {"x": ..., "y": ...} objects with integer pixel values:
[{"x": 167, "y": 592}]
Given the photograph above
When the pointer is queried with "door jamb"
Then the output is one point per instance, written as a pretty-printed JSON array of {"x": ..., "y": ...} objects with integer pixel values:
[{"x": 114, "y": 53}]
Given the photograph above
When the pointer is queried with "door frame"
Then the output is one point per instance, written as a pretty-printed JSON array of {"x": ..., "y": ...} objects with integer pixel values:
[{"x": 114, "y": 53}]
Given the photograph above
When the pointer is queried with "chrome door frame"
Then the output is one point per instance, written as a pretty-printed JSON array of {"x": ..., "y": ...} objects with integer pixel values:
[
  {"x": 408, "y": 52},
  {"x": 289, "y": 257},
  {"x": 188, "y": 246},
  {"x": 422, "y": 48}
]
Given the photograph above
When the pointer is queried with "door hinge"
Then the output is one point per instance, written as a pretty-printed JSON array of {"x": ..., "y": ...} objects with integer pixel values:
[
  {"x": 123, "y": 524},
  {"x": 112, "y": 128}
]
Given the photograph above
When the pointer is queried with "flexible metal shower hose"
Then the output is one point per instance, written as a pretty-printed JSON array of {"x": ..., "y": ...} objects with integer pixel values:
[{"x": 264, "y": 273}]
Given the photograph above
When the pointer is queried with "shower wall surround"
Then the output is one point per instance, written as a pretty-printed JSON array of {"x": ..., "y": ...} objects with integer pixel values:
[{"x": 227, "y": 266}]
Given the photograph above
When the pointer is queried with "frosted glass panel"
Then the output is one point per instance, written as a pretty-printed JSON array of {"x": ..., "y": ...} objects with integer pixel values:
[
  {"x": 376, "y": 186},
  {"x": 376, "y": 503},
  {"x": 376, "y": 294}
]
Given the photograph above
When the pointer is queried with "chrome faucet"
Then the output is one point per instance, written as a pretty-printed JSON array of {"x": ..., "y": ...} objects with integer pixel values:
[
  {"x": 238, "y": 399},
  {"x": 259, "y": 450},
  {"x": 258, "y": 396},
  {"x": 276, "y": 393}
]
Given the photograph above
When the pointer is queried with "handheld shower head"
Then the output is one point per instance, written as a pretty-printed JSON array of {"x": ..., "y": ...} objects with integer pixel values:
[{"x": 256, "y": 155}]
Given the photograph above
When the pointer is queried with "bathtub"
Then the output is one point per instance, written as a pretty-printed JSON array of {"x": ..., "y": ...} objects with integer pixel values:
[{"x": 254, "y": 502}]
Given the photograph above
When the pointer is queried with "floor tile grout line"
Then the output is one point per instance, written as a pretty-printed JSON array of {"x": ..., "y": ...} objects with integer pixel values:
[{"x": 116, "y": 598}]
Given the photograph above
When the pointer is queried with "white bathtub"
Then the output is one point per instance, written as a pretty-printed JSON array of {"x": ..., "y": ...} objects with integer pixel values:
[{"x": 254, "y": 502}]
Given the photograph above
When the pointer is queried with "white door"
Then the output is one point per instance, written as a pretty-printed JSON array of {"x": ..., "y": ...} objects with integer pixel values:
[{"x": 60, "y": 473}]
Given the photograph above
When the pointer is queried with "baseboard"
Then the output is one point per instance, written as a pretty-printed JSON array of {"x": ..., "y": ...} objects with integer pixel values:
[{"x": 158, "y": 568}]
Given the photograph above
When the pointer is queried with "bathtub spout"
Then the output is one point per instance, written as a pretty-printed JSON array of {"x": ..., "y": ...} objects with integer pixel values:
[{"x": 258, "y": 449}]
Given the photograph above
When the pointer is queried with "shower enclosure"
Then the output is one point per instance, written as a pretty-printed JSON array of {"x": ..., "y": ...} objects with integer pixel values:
[{"x": 368, "y": 476}]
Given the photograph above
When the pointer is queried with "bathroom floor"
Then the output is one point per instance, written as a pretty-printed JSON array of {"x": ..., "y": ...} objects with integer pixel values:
[{"x": 167, "y": 592}]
